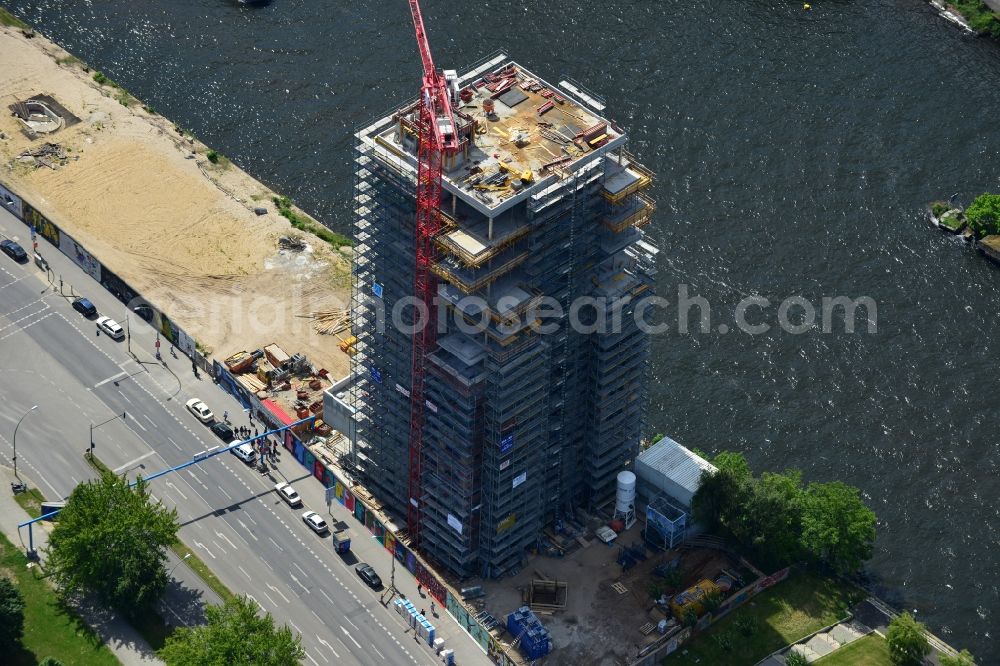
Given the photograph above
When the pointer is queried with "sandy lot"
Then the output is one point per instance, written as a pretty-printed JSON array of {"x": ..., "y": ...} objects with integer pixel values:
[{"x": 147, "y": 202}]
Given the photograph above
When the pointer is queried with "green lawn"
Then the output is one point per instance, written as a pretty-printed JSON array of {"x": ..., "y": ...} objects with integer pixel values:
[
  {"x": 791, "y": 610},
  {"x": 871, "y": 650},
  {"x": 31, "y": 501},
  {"x": 6, "y": 18},
  {"x": 50, "y": 630}
]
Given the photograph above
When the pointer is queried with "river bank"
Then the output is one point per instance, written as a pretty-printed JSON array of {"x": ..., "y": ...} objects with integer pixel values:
[
  {"x": 194, "y": 234},
  {"x": 981, "y": 17}
]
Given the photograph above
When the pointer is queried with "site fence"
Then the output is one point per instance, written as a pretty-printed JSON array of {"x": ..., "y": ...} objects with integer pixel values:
[
  {"x": 40, "y": 225},
  {"x": 655, "y": 653},
  {"x": 372, "y": 519}
]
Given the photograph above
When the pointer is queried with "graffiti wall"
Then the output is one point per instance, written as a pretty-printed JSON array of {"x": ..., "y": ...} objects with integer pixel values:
[
  {"x": 80, "y": 256},
  {"x": 10, "y": 202}
]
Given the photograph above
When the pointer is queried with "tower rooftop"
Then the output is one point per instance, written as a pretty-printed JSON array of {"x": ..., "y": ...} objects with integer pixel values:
[{"x": 518, "y": 130}]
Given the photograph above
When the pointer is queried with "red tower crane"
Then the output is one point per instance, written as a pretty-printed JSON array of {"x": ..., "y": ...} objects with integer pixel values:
[{"x": 437, "y": 137}]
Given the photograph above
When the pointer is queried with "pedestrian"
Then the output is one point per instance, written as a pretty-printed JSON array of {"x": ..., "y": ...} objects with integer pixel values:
[
  {"x": 423, "y": 612},
  {"x": 432, "y": 610},
  {"x": 225, "y": 415},
  {"x": 419, "y": 587},
  {"x": 255, "y": 433}
]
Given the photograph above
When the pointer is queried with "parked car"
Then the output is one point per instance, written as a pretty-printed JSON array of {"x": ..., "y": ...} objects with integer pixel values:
[
  {"x": 315, "y": 522},
  {"x": 289, "y": 494},
  {"x": 223, "y": 432},
  {"x": 245, "y": 453},
  {"x": 14, "y": 251},
  {"x": 85, "y": 307},
  {"x": 200, "y": 410},
  {"x": 368, "y": 575},
  {"x": 111, "y": 327}
]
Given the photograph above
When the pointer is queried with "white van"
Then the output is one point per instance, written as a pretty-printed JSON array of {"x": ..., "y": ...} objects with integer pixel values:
[{"x": 245, "y": 453}]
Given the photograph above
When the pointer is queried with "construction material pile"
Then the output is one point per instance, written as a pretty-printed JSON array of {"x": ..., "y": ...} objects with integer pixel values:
[
  {"x": 330, "y": 322},
  {"x": 50, "y": 155}
]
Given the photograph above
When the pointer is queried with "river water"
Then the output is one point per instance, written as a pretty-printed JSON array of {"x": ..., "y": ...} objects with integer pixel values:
[{"x": 795, "y": 152}]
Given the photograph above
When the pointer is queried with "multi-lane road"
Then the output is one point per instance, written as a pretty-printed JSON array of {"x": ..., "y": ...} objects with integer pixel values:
[{"x": 52, "y": 356}]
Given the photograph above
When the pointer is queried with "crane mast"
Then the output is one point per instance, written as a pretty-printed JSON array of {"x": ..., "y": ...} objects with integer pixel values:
[{"x": 437, "y": 137}]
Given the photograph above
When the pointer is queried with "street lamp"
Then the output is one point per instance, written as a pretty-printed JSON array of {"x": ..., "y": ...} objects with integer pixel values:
[
  {"x": 187, "y": 555},
  {"x": 15, "y": 439}
]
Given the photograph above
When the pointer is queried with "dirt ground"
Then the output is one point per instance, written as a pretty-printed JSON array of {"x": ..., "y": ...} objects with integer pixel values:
[
  {"x": 600, "y": 625},
  {"x": 146, "y": 201}
]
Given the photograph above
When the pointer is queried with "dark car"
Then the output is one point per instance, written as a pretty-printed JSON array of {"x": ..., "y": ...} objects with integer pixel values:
[
  {"x": 14, "y": 251},
  {"x": 369, "y": 576},
  {"x": 85, "y": 307},
  {"x": 223, "y": 432}
]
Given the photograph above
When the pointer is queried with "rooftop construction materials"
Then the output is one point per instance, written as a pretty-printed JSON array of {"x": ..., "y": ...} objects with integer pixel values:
[{"x": 480, "y": 438}]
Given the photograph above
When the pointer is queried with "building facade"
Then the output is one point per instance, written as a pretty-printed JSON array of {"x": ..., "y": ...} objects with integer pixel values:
[{"x": 536, "y": 388}]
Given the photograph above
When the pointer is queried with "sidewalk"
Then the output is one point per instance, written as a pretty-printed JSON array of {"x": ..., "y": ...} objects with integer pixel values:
[{"x": 183, "y": 602}]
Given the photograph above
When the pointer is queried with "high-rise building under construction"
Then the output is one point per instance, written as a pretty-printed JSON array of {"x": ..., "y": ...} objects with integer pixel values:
[{"x": 524, "y": 416}]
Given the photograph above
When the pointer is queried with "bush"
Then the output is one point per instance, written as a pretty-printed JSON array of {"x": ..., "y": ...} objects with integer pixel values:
[
  {"x": 100, "y": 78},
  {"x": 50, "y": 661},
  {"x": 689, "y": 618},
  {"x": 983, "y": 214},
  {"x": 11, "y": 614},
  {"x": 794, "y": 658},
  {"x": 747, "y": 625},
  {"x": 907, "y": 642},
  {"x": 963, "y": 658},
  {"x": 939, "y": 208},
  {"x": 712, "y": 601},
  {"x": 212, "y": 156},
  {"x": 725, "y": 641}
]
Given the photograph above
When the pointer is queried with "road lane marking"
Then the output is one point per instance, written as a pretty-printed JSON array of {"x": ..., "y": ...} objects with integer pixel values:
[
  {"x": 219, "y": 546},
  {"x": 223, "y": 490},
  {"x": 201, "y": 545},
  {"x": 151, "y": 422},
  {"x": 244, "y": 526},
  {"x": 133, "y": 462},
  {"x": 128, "y": 401},
  {"x": 244, "y": 572},
  {"x": 276, "y": 544},
  {"x": 348, "y": 634},
  {"x": 223, "y": 536},
  {"x": 269, "y": 597},
  {"x": 297, "y": 582},
  {"x": 257, "y": 602},
  {"x": 297, "y": 630},
  {"x": 311, "y": 659},
  {"x": 349, "y": 620},
  {"x": 110, "y": 379},
  {"x": 137, "y": 422},
  {"x": 295, "y": 564},
  {"x": 377, "y": 651},
  {"x": 177, "y": 490},
  {"x": 171, "y": 440},
  {"x": 322, "y": 642},
  {"x": 278, "y": 592},
  {"x": 323, "y": 592},
  {"x": 317, "y": 616}
]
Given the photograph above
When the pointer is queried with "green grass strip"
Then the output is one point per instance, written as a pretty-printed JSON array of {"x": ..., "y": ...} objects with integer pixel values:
[{"x": 50, "y": 628}]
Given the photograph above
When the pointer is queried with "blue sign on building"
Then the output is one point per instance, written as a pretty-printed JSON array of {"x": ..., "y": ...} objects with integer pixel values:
[
  {"x": 377, "y": 289},
  {"x": 507, "y": 443},
  {"x": 376, "y": 375}
]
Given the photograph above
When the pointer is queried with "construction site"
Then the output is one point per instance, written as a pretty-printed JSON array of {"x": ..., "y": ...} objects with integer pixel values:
[
  {"x": 476, "y": 440},
  {"x": 199, "y": 240}
]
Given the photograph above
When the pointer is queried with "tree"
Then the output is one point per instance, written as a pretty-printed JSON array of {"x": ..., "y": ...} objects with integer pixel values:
[
  {"x": 721, "y": 496},
  {"x": 50, "y": 661},
  {"x": 983, "y": 214},
  {"x": 963, "y": 658},
  {"x": 234, "y": 634},
  {"x": 774, "y": 518},
  {"x": 111, "y": 540},
  {"x": 907, "y": 641},
  {"x": 11, "y": 614},
  {"x": 837, "y": 527}
]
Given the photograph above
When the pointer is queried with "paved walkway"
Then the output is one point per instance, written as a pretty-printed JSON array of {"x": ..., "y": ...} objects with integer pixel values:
[
  {"x": 183, "y": 602},
  {"x": 870, "y": 615}
]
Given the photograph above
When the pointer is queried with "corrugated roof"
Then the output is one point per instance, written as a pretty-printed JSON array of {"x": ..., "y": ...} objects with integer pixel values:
[{"x": 675, "y": 462}]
